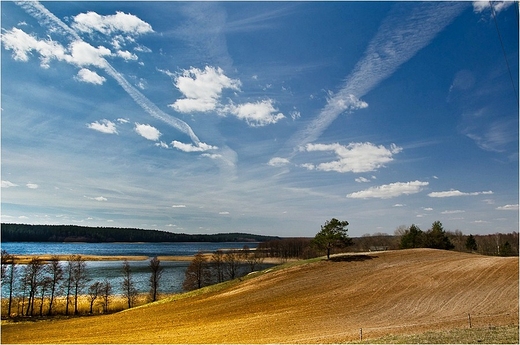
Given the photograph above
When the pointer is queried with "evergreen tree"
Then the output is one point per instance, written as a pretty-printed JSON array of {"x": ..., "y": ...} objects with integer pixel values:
[
  {"x": 332, "y": 234},
  {"x": 471, "y": 243}
]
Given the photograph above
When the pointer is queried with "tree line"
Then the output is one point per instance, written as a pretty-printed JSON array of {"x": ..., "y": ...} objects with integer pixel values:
[
  {"x": 75, "y": 233},
  {"x": 404, "y": 237},
  {"x": 35, "y": 288}
]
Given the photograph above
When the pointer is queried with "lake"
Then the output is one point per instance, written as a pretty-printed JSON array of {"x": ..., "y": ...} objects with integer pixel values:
[{"x": 173, "y": 271}]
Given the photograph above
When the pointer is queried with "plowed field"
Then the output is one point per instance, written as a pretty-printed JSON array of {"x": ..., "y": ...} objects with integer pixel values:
[{"x": 394, "y": 292}]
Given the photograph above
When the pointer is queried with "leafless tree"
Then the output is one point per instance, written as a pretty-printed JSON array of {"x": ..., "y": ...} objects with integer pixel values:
[
  {"x": 44, "y": 285},
  {"x": 68, "y": 281},
  {"x": 8, "y": 273},
  {"x": 80, "y": 278},
  {"x": 93, "y": 293},
  {"x": 252, "y": 257},
  {"x": 232, "y": 261},
  {"x": 155, "y": 277},
  {"x": 106, "y": 290},
  {"x": 56, "y": 275},
  {"x": 33, "y": 273},
  {"x": 129, "y": 291},
  {"x": 197, "y": 273},
  {"x": 217, "y": 262}
]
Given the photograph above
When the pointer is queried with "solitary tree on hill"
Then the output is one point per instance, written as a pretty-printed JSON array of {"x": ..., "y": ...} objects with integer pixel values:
[{"x": 332, "y": 234}]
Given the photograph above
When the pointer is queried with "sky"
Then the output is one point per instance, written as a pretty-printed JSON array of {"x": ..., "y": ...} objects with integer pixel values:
[{"x": 260, "y": 117}]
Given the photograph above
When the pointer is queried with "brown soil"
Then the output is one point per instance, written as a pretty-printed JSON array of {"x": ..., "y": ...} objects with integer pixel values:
[{"x": 395, "y": 292}]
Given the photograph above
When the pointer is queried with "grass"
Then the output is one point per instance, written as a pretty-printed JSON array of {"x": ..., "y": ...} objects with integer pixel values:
[{"x": 488, "y": 335}]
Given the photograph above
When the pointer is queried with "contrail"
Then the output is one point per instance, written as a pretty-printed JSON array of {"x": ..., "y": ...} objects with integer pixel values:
[
  {"x": 46, "y": 18},
  {"x": 407, "y": 29}
]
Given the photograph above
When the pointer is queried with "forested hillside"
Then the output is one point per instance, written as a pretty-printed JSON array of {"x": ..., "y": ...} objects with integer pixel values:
[{"x": 74, "y": 233}]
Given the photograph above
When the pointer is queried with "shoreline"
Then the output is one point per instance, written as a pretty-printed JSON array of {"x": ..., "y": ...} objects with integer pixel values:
[
  {"x": 23, "y": 259},
  {"x": 26, "y": 258}
]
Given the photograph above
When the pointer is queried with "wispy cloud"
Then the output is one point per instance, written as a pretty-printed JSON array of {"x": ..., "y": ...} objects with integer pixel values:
[
  {"x": 200, "y": 147},
  {"x": 404, "y": 32},
  {"x": 354, "y": 157},
  {"x": 278, "y": 162},
  {"x": 32, "y": 185},
  {"x": 508, "y": 207},
  {"x": 454, "y": 193},
  {"x": 8, "y": 184},
  {"x": 389, "y": 190}
]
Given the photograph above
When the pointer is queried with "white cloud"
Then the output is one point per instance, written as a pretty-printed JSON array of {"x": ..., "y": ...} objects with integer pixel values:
[
  {"x": 212, "y": 155},
  {"x": 355, "y": 157},
  {"x": 88, "y": 76},
  {"x": 120, "y": 22},
  {"x": 389, "y": 190},
  {"x": 508, "y": 208},
  {"x": 498, "y": 6},
  {"x": 103, "y": 126},
  {"x": 125, "y": 54},
  {"x": 83, "y": 54},
  {"x": 121, "y": 120},
  {"x": 452, "y": 193},
  {"x": 427, "y": 209},
  {"x": 399, "y": 205},
  {"x": 223, "y": 213},
  {"x": 202, "y": 89},
  {"x": 179, "y": 206},
  {"x": 162, "y": 144},
  {"x": 98, "y": 198},
  {"x": 22, "y": 44},
  {"x": 200, "y": 147},
  {"x": 8, "y": 184},
  {"x": 362, "y": 180},
  {"x": 147, "y": 132},
  {"x": 32, "y": 185},
  {"x": 278, "y": 162},
  {"x": 256, "y": 114},
  {"x": 452, "y": 211},
  {"x": 346, "y": 102}
]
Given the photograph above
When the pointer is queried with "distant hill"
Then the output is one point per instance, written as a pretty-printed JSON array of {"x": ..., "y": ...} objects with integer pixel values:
[{"x": 75, "y": 233}]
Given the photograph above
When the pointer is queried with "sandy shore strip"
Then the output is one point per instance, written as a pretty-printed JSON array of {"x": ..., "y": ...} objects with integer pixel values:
[{"x": 25, "y": 259}]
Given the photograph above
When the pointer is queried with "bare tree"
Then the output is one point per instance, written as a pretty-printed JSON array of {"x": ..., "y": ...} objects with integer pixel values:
[
  {"x": 93, "y": 293},
  {"x": 128, "y": 286},
  {"x": 217, "y": 262},
  {"x": 44, "y": 285},
  {"x": 8, "y": 273},
  {"x": 33, "y": 273},
  {"x": 252, "y": 257},
  {"x": 68, "y": 282},
  {"x": 106, "y": 290},
  {"x": 80, "y": 278},
  {"x": 232, "y": 260},
  {"x": 155, "y": 277},
  {"x": 56, "y": 275},
  {"x": 197, "y": 273}
]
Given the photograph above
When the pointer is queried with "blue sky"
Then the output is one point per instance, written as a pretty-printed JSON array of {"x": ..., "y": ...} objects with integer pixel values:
[{"x": 261, "y": 117}]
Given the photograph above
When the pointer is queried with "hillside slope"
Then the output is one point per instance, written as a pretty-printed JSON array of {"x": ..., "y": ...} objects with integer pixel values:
[{"x": 395, "y": 292}]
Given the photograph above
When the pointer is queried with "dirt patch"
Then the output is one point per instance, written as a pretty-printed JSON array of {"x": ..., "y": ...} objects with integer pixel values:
[{"x": 394, "y": 292}]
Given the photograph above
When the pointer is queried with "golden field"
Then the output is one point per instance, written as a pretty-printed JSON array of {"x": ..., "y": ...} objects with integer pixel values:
[{"x": 393, "y": 293}]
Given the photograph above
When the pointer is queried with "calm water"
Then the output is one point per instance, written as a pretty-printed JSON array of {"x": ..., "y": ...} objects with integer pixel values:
[{"x": 173, "y": 271}]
